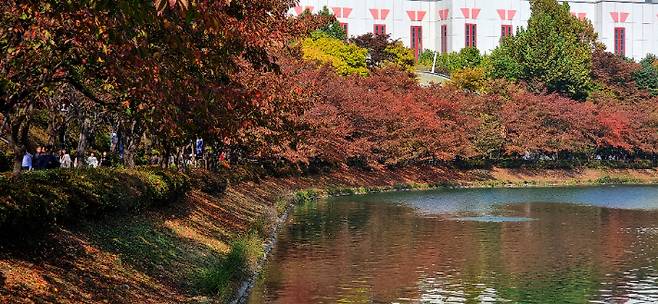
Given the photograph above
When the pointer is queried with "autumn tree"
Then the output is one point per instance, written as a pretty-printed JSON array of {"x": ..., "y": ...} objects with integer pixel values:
[
  {"x": 385, "y": 119},
  {"x": 382, "y": 51},
  {"x": 547, "y": 125},
  {"x": 615, "y": 76},
  {"x": 43, "y": 44}
]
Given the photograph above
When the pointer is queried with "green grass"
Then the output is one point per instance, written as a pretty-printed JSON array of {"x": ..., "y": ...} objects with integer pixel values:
[
  {"x": 606, "y": 180},
  {"x": 222, "y": 278},
  {"x": 281, "y": 205}
]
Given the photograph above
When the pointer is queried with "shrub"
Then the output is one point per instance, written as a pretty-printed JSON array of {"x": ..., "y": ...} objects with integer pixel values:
[
  {"x": 451, "y": 62},
  {"x": 426, "y": 59},
  {"x": 611, "y": 180},
  {"x": 469, "y": 79},
  {"x": 305, "y": 196},
  {"x": 40, "y": 199}
]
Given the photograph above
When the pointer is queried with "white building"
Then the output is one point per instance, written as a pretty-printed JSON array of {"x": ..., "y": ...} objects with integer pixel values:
[{"x": 628, "y": 27}]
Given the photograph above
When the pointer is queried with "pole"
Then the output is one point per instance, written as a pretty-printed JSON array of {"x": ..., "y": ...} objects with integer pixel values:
[{"x": 434, "y": 62}]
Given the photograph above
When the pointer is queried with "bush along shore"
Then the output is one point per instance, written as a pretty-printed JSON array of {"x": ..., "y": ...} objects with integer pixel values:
[
  {"x": 40, "y": 199},
  {"x": 158, "y": 236}
]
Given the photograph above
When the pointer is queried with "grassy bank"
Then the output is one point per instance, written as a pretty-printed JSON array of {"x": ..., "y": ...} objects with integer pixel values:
[{"x": 201, "y": 247}]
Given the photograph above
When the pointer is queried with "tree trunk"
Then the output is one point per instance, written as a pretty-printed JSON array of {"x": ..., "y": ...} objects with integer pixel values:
[
  {"x": 129, "y": 158},
  {"x": 82, "y": 142},
  {"x": 132, "y": 139},
  {"x": 53, "y": 133},
  {"x": 19, "y": 142},
  {"x": 166, "y": 156}
]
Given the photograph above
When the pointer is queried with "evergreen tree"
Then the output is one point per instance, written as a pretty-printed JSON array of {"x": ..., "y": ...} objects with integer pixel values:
[
  {"x": 333, "y": 28},
  {"x": 647, "y": 77},
  {"x": 554, "y": 53}
]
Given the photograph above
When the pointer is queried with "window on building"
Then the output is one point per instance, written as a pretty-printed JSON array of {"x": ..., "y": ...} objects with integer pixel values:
[
  {"x": 417, "y": 40},
  {"x": 471, "y": 35},
  {"x": 380, "y": 29},
  {"x": 344, "y": 26},
  {"x": 505, "y": 31},
  {"x": 444, "y": 39},
  {"x": 620, "y": 41}
]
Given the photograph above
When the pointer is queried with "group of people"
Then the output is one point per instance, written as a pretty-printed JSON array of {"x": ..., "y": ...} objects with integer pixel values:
[{"x": 44, "y": 158}]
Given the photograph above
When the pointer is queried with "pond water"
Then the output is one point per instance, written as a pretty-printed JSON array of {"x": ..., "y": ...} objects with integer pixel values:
[{"x": 538, "y": 245}]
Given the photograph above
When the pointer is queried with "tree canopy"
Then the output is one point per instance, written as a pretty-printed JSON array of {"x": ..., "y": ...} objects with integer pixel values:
[{"x": 554, "y": 52}]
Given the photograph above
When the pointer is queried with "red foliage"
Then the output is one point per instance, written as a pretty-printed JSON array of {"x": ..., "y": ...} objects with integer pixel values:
[
  {"x": 385, "y": 118},
  {"x": 616, "y": 75},
  {"x": 547, "y": 124}
]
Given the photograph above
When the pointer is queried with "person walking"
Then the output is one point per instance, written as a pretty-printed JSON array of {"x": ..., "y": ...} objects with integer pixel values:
[
  {"x": 27, "y": 161},
  {"x": 38, "y": 159},
  {"x": 92, "y": 161},
  {"x": 64, "y": 159}
]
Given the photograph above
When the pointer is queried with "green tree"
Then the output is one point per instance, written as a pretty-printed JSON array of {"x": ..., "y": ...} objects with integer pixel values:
[
  {"x": 455, "y": 61},
  {"x": 426, "y": 59},
  {"x": 469, "y": 57},
  {"x": 554, "y": 53},
  {"x": 333, "y": 28},
  {"x": 647, "y": 77},
  {"x": 501, "y": 64},
  {"x": 399, "y": 56}
]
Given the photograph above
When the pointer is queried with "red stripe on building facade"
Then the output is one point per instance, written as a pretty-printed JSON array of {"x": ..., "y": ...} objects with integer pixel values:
[{"x": 416, "y": 15}]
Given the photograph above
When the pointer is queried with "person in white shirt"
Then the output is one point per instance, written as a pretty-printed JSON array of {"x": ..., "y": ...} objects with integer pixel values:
[
  {"x": 64, "y": 159},
  {"x": 92, "y": 161}
]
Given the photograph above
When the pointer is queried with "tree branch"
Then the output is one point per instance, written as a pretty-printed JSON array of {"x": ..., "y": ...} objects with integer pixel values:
[{"x": 83, "y": 90}]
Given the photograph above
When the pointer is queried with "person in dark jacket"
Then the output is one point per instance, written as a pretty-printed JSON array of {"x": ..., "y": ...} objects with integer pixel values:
[
  {"x": 106, "y": 160},
  {"x": 52, "y": 161},
  {"x": 38, "y": 159}
]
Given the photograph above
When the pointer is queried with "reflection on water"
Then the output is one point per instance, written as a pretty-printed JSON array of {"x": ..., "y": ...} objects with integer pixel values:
[{"x": 587, "y": 244}]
